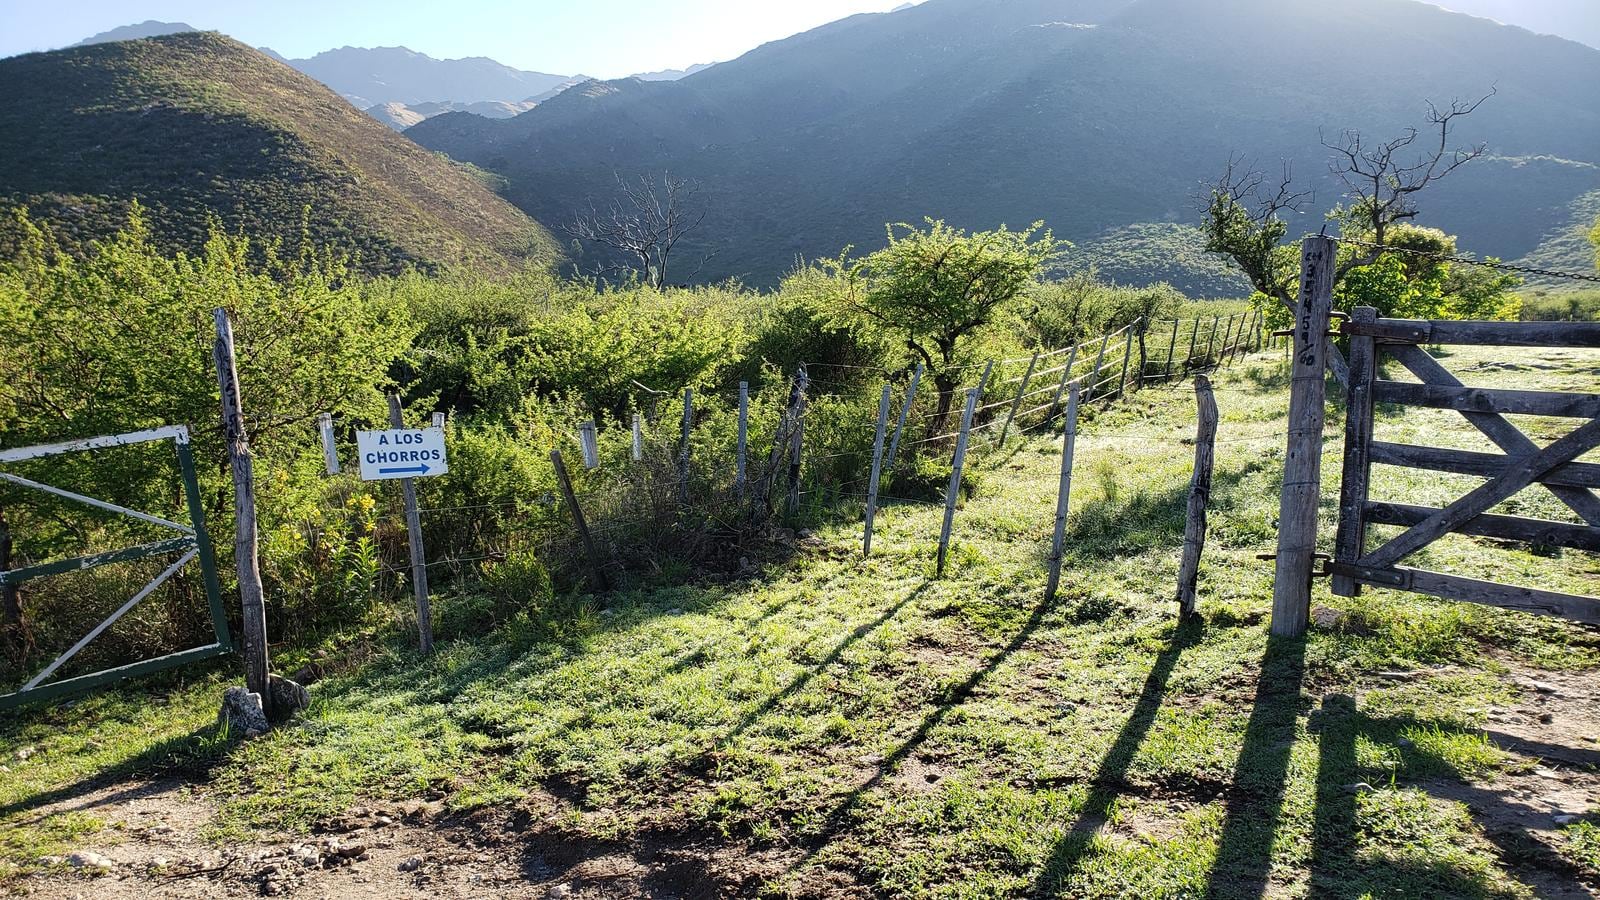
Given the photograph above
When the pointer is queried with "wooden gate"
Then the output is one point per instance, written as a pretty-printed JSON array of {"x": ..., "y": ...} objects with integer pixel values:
[{"x": 1521, "y": 464}]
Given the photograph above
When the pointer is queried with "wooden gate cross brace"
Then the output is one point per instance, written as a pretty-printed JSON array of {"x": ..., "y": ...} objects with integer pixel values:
[
  {"x": 1495, "y": 427},
  {"x": 1518, "y": 474}
]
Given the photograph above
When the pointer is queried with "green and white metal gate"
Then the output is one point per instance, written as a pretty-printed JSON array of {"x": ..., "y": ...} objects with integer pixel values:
[{"x": 193, "y": 544}]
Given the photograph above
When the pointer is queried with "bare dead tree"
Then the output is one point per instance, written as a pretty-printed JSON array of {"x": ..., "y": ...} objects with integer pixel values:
[
  {"x": 1246, "y": 220},
  {"x": 1384, "y": 179},
  {"x": 642, "y": 225}
]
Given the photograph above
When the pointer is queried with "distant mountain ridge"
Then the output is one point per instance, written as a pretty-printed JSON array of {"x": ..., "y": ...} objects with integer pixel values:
[
  {"x": 1104, "y": 118},
  {"x": 199, "y": 128}
]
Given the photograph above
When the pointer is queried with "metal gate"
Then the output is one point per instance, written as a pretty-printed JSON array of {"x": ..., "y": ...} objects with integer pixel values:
[
  {"x": 192, "y": 544},
  {"x": 1521, "y": 463}
]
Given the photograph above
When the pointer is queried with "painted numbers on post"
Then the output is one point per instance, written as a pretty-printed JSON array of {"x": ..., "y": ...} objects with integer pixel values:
[{"x": 401, "y": 453}]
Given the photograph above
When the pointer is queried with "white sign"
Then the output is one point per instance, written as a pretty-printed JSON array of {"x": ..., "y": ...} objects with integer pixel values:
[{"x": 401, "y": 453}]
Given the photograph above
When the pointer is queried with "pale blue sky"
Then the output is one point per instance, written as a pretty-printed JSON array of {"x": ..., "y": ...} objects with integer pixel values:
[{"x": 604, "y": 38}]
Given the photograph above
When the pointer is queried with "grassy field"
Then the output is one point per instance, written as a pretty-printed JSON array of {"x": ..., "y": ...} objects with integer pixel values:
[{"x": 834, "y": 726}]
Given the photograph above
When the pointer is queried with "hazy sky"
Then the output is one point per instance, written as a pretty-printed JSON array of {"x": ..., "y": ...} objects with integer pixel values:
[{"x": 604, "y": 38}]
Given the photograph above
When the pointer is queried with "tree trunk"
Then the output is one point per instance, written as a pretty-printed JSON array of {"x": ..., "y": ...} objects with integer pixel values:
[{"x": 946, "y": 386}]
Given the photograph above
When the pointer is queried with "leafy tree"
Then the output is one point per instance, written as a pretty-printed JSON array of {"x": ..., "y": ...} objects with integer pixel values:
[
  {"x": 1413, "y": 282},
  {"x": 1594, "y": 237},
  {"x": 931, "y": 289}
]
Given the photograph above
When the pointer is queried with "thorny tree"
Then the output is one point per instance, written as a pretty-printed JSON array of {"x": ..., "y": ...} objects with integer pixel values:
[
  {"x": 642, "y": 225},
  {"x": 1245, "y": 214}
]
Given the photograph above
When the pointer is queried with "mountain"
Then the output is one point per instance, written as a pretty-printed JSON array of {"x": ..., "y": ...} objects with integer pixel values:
[
  {"x": 149, "y": 28},
  {"x": 400, "y": 116},
  {"x": 1096, "y": 116},
  {"x": 673, "y": 74},
  {"x": 197, "y": 125},
  {"x": 371, "y": 76}
]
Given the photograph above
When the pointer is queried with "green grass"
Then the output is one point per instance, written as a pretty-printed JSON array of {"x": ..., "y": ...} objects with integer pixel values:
[{"x": 852, "y": 721}]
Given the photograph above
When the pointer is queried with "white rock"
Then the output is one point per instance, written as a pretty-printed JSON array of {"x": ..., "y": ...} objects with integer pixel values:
[{"x": 88, "y": 859}]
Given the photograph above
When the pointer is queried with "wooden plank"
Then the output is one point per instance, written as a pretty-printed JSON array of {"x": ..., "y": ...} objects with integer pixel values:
[
  {"x": 247, "y": 563},
  {"x": 1483, "y": 465},
  {"x": 1302, "y": 466},
  {"x": 564, "y": 481},
  {"x": 419, "y": 554},
  {"x": 1058, "y": 541},
  {"x": 1516, "y": 476},
  {"x": 169, "y": 432},
  {"x": 95, "y": 560},
  {"x": 1487, "y": 593},
  {"x": 1505, "y": 528},
  {"x": 1505, "y": 435},
  {"x": 1489, "y": 400},
  {"x": 1350, "y": 541},
  {"x": 1194, "y": 531},
  {"x": 877, "y": 471},
  {"x": 953, "y": 492},
  {"x": 1500, "y": 334}
]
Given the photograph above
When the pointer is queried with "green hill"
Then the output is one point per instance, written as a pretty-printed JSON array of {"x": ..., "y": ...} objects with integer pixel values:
[
  {"x": 1093, "y": 115},
  {"x": 198, "y": 125}
]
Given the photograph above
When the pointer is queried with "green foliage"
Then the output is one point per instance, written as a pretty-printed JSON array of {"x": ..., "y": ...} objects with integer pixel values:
[
  {"x": 1416, "y": 285},
  {"x": 1594, "y": 238},
  {"x": 1076, "y": 308},
  {"x": 1561, "y": 306}
]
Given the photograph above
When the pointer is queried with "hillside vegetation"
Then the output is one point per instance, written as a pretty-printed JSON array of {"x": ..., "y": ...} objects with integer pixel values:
[
  {"x": 198, "y": 127},
  {"x": 1092, "y": 115}
]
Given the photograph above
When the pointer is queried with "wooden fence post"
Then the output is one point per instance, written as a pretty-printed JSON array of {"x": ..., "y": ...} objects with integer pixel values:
[
  {"x": 1144, "y": 353},
  {"x": 589, "y": 440},
  {"x": 565, "y": 482},
  {"x": 638, "y": 437},
  {"x": 1066, "y": 378},
  {"x": 954, "y": 491},
  {"x": 797, "y": 435},
  {"x": 900, "y": 423},
  {"x": 1211, "y": 342},
  {"x": 330, "y": 452},
  {"x": 1302, "y": 466},
  {"x": 1058, "y": 543},
  {"x": 1351, "y": 538},
  {"x": 246, "y": 556},
  {"x": 1094, "y": 374},
  {"x": 1194, "y": 531},
  {"x": 419, "y": 555},
  {"x": 743, "y": 442},
  {"x": 983, "y": 383},
  {"x": 683, "y": 445},
  {"x": 1016, "y": 403},
  {"x": 1127, "y": 357},
  {"x": 877, "y": 471},
  {"x": 1172, "y": 348},
  {"x": 1194, "y": 336}
]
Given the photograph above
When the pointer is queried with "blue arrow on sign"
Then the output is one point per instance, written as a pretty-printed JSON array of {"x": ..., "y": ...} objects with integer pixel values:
[{"x": 408, "y": 470}]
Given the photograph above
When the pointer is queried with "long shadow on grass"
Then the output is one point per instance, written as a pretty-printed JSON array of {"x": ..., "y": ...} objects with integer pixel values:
[
  {"x": 837, "y": 819},
  {"x": 1111, "y": 776},
  {"x": 1255, "y": 798},
  {"x": 1339, "y": 870},
  {"x": 190, "y": 754},
  {"x": 1124, "y": 521}
]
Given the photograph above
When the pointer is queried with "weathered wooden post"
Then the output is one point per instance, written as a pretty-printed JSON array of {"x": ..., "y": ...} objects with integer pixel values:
[
  {"x": 900, "y": 422},
  {"x": 1211, "y": 342},
  {"x": 1094, "y": 374},
  {"x": 638, "y": 437},
  {"x": 1302, "y": 466},
  {"x": 1144, "y": 353},
  {"x": 1058, "y": 543},
  {"x": 589, "y": 440},
  {"x": 743, "y": 442},
  {"x": 683, "y": 445},
  {"x": 1226, "y": 352},
  {"x": 1066, "y": 378},
  {"x": 1194, "y": 336},
  {"x": 330, "y": 452},
  {"x": 1194, "y": 531},
  {"x": 954, "y": 491},
  {"x": 877, "y": 471},
  {"x": 1127, "y": 357},
  {"x": 1016, "y": 402},
  {"x": 1351, "y": 538},
  {"x": 438, "y": 420},
  {"x": 565, "y": 482},
  {"x": 419, "y": 556},
  {"x": 1172, "y": 348},
  {"x": 246, "y": 557},
  {"x": 797, "y": 435}
]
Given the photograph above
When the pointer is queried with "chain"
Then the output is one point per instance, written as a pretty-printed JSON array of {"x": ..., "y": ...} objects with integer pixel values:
[{"x": 1447, "y": 257}]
